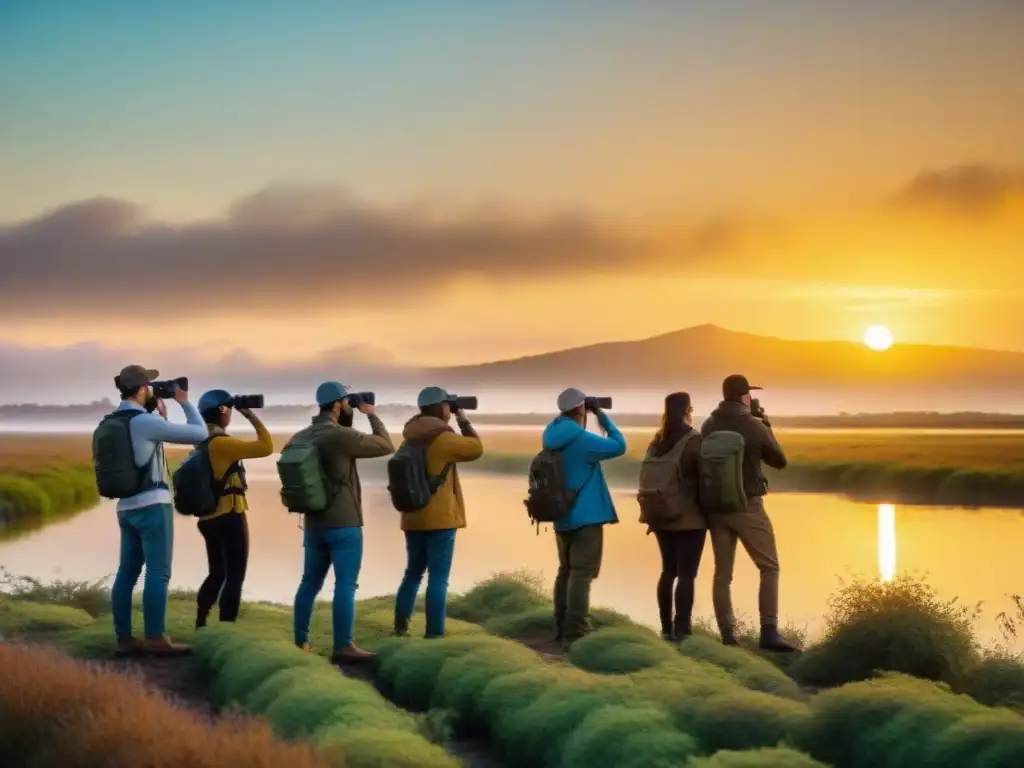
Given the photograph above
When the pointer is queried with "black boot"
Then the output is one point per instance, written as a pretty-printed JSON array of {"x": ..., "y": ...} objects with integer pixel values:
[
  {"x": 682, "y": 630},
  {"x": 771, "y": 640},
  {"x": 728, "y": 636},
  {"x": 401, "y": 627}
]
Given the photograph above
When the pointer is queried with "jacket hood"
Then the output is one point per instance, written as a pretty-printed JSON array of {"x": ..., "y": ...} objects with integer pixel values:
[
  {"x": 731, "y": 408},
  {"x": 560, "y": 432},
  {"x": 421, "y": 429}
]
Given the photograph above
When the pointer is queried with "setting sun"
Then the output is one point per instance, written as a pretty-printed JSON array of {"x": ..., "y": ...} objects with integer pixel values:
[{"x": 878, "y": 337}]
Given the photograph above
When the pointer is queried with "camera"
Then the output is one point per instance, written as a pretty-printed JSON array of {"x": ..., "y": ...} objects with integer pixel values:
[
  {"x": 355, "y": 399},
  {"x": 595, "y": 403},
  {"x": 164, "y": 390},
  {"x": 246, "y": 401},
  {"x": 465, "y": 403},
  {"x": 755, "y": 409}
]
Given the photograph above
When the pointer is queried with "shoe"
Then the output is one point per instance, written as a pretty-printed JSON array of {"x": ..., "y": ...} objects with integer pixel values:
[
  {"x": 127, "y": 646},
  {"x": 163, "y": 646},
  {"x": 307, "y": 647},
  {"x": 771, "y": 640},
  {"x": 353, "y": 654},
  {"x": 668, "y": 637},
  {"x": 401, "y": 628},
  {"x": 728, "y": 637},
  {"x": 682, "y": 630}
]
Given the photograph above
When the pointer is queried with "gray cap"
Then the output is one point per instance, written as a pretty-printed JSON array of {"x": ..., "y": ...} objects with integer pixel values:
[
  {"x": 132, "y": 377},
  {"x": 570, "y": 399}
]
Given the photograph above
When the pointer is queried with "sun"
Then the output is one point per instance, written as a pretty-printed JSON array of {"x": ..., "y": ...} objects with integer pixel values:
[{"x": 878, "y": 337}]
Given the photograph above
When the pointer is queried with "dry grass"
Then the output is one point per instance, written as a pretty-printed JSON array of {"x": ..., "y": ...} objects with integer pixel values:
[{"x": 55, "y": 711}]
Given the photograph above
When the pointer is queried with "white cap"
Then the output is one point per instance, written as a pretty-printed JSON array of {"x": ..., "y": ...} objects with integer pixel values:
[{"x": 570, "y": 399}]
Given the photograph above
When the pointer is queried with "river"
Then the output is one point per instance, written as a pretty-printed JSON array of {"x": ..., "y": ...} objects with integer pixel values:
[{"x": 970, "y": 554}]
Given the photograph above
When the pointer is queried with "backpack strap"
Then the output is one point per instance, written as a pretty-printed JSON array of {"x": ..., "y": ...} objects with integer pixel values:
[{"x": 220, "y": 488}]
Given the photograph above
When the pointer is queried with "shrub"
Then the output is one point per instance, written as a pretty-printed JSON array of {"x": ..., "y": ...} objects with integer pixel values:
[
  {"x": 18, "y": 617},
  {"x": 93, "y": 597},
  {"x": 898, "y": 626},
  {"x": 623, "y": 737},
  {"x": 998, "y": 681},
  {"x": 20, "y": 498},
  {"x": 300, "y": 694},
  {"x": 503, "y": 594},
  {"x": 748, "y": 668},
  {"x": 55, "y": 711},
  {"x": 541, "y": 621},
  {"x": 898, "y": 721},
  {"x": 770, "y": 757}
]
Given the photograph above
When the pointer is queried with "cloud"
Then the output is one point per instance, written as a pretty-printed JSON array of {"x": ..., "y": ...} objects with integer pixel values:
[{"x": 309, "y": 250}]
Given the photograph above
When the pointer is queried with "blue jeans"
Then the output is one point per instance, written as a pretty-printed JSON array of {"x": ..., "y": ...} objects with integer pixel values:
[
  {"x": 428, "y": 552},
  {"x": 147, "y": 538},
  {"x": 341, "y": 548}
]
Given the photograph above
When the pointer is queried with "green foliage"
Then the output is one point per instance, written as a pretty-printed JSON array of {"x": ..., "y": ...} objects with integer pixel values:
[
  {"x": 29, "y": 500},
  {"x": 503, "y": 594},
  {"x": 18, "y": 617},
  {"x": 901, "y": 722},
  {"x": 900, "y": 626},
  {"x": 998, "y": 681},
  {"x": 301, "y": 695},
  {"x": 773, "y": 757},
  {"x": 750, "y": 669},
  {"x": 92, "y": 597}
]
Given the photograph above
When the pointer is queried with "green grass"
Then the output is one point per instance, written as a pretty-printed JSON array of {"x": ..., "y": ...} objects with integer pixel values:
[
  {"x": 30, "y": 499},
  {"x": 622, "y": 697}
]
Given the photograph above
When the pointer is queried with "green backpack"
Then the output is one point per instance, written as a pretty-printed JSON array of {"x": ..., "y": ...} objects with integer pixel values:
[
  {"x": 113, "y": 459},
  {"x": 305, "y": 486},
  {"x": 721, "y": 473}
]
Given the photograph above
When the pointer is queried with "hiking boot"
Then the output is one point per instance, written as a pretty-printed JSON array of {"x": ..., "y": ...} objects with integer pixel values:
[
  {"x": 668, "y": 637},
  {"x": 771, "y": 640},
  {"x": 307, "y": 647},
  {"x": 353, "y": 654},
  {"x": 127, "y": 646},
  {"x": 728, "y": 637},
  {"x": 401, "y": 628},
  {"x": 163, "y": 646},
  {"x": 682, "y": 630}
]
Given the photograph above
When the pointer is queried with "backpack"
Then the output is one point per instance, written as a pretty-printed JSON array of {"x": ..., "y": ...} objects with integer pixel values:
[
  {"x": 721, "y": 473},
  {"x": 660, "y": 494},
  {"x": 305, "y": 486},
  {"x": 196, "y": 490},
  {"x": 548, "y": 499},
  {"x": 410, "y": 485},
  {"x": 113, "y": 459}
]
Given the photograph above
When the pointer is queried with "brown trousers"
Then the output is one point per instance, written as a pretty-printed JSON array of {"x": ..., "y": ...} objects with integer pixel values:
[{"x": 754, "y": 531}]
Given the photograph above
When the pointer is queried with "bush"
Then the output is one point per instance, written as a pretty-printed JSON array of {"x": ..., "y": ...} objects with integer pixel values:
[
  {"x": 748, "y": 668},
  {"x": 20, "y": 498},
  {"x": 503, "y": 594},
  {"x": 30, "y": 500},
  {"x": 55, "y": 711},
  {"x": 997, "y": 681},
  {"x": 898, "y": 721},
  {"x": 623, "y": 737},
  {"x": 772, "y": 757},
  {"x": 300, "y": 694},
  {"x": 899, "y": 626},
  {"x": 93, "y": 597},
  {"x": 18, "y": 617}
]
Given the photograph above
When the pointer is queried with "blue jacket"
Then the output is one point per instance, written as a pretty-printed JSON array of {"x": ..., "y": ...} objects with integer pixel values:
[{"x": 581, "y": 462}]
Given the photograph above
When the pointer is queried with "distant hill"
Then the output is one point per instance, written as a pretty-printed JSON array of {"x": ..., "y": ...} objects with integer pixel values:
[{"x": 702, "y": 355}]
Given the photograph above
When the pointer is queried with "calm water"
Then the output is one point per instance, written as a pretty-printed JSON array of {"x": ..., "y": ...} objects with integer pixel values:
[{"x": 973, "y": 555}]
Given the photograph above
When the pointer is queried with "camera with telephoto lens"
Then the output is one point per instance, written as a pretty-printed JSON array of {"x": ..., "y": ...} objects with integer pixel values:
[
  {"x": 755, "y": 409},
  {"x": 356, "y": 399},
  {"x": 596, "y": 403},
  {"x": 246, "y": 401},
  {"x": 164, "y": 390},
  {"x": 463, "y": 403}
]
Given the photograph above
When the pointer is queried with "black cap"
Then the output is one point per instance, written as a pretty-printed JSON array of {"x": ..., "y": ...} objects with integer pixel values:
[{"x": 736, "y": 386}]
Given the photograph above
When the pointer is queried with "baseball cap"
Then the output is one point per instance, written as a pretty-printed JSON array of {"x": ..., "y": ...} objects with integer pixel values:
[
  {"x": 736, "y": 386},
  {"x": 570, "y": 399},
  {"x": 213, "y": 399},
  {"x": 132, "y": 377},
  {"x": 330, "y": 392},
  {"x": 432, "y": 396}
]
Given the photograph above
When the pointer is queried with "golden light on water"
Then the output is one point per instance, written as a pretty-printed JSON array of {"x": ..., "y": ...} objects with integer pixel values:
[{"x": 886, "y": 541}]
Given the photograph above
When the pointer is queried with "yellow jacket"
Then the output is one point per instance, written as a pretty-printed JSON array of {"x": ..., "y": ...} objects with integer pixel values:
[
  {"x": 225, "y": 451},
  {"x": 447, "y": 508}
]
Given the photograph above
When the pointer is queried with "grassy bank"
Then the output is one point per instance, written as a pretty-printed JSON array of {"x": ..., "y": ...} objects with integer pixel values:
[{"x": 898, "y": 680}]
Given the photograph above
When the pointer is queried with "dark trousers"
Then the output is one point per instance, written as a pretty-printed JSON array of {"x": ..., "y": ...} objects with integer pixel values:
[
  {"x": 579, "y": 563},
  {"x": 227, "y": 552},
  {"x": 680, "y": 560}
]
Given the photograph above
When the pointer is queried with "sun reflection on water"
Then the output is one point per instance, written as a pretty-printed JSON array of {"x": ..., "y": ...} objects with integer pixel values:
[{"x": 886, "y": 541}]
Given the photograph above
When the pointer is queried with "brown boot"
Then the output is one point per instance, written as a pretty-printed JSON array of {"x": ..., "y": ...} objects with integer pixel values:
[
  {"x": 127, "y": 646},
  {"x": 352, "y": 655},
  {"x": 162, "y": 646},
  {"x": 307, "y": 647}
]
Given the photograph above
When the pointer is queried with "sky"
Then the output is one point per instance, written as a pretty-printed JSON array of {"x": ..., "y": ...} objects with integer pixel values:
[{"x": 452, "y": 182}]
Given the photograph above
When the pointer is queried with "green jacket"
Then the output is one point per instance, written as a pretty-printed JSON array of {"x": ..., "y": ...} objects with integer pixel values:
[
  {"x": 339, "y": 448},
  {"x": 760, "y": 444}
]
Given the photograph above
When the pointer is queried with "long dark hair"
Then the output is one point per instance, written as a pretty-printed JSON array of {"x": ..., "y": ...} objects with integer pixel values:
[{"x": 673, "y": 424}]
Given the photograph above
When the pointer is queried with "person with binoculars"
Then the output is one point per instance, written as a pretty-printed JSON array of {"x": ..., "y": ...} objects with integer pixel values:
[
  {"x": 319, "y": 479},
  {"x": 211, "y": 485},
  {"x": 568, "y": 488},
  {"x": 423, "y": 479},
  {"x": 129, "y": 463}
]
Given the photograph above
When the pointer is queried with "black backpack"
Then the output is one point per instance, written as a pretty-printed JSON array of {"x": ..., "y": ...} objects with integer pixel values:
[
  {"x": 410, "y": 485},
  {"x": 548, "y": 499},
  {"x": 196, "y": 490},
  {"x": 113, "y": 458}
]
